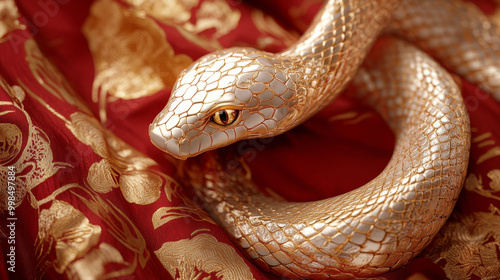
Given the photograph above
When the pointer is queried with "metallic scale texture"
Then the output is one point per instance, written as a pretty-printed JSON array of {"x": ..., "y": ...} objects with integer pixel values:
[{"x": 244, "y": 93}]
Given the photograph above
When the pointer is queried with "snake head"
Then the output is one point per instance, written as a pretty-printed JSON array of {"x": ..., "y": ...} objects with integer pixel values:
[{"x": 222, "y": 98}]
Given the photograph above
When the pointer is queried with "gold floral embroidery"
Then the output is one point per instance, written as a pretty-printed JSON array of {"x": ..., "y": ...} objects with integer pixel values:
[
  {"x": 131, "y": 55},
  {"x": 495, "y": 179},
  {"x": 9, "y": 18},
  {"x": 475, "y": 184},
  {"x": 68, "y": 231},
  {"x": 169, "y": 10},
  {"x": 272, "y": 32},
  {"x": 121, "y": 165},
  {"x": 469, "y": 245},
  {"x": 351, "y": 117},
  {"x": 493, "y": 152},
  {"x": 482, "y": 141},
  {"x": 50, "y": 77},
  {"x": 189, "y": 209},
  {"x": 120, "y": 227},
  {"x": 91, "y": 266},
  {"x": 147, "y": 193},
  {"x": 71, "y": 227},
  {"x": 166, "y": 214},
  {"x": 298, "y": 12},
  {"x": 188, "y": 258},
  {"x": 214, "y": 15},
  {"x": 66, "y": 237},
  {"x": 100, "y": 177},
  {"x": 35, "y": 162},
  {"x": 343, "y": 116},
  {"x": 10, "y": 141}
]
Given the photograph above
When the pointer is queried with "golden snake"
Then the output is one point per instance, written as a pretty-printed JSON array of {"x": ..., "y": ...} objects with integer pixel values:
[{"x": 243, "y": 93}]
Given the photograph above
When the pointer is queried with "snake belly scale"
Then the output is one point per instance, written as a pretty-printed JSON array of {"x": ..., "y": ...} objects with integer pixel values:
[{"x": 242, "y": 93}]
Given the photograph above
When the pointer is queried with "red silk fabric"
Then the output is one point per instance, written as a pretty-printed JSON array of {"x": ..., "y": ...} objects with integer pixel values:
[{"x": 50, "y": 70}]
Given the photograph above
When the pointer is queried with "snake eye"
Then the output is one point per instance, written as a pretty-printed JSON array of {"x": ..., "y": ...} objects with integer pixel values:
[{"x": 224, "y": 117}]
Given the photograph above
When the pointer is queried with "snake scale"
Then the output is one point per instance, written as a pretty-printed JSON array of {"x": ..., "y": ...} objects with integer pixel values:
[{"x": 242, "y": 93}]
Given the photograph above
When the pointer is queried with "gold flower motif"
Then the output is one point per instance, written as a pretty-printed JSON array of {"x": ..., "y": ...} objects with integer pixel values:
[
  {"x": 68, "y": 231},
  {"x": 11, "y": 139},
  {"x": 178, "y": 11},
  {"x": 485, "y": 141},
  {"x": 121, "y": 228},
  {"x": 9, "y": 18},
  {"x": 132, "y": 56},
  {"x": 475, "y": 184},
  {"x": 101, "y": 177},
  {"x": 272, "y": 32},
  {"x": 469, "y": 245},
  {"x": 121, "y": 165},
  {"x": 24, "y": 146},
  {"x": 50, "y": 78},
  {"x": 494, "y": 175},
  {"x": 202, "y": 253},
  {"x": 214, "y": 15},
  {"x": 92, "y": 265},
  {"x": 164, "y": 215}
]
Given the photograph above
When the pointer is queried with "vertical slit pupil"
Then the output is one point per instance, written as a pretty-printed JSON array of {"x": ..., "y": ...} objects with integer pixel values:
[{"x": 223, "y": 116}]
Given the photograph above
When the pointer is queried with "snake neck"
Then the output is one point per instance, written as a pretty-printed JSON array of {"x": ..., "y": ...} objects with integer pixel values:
[{"x": 326, "y": 57}]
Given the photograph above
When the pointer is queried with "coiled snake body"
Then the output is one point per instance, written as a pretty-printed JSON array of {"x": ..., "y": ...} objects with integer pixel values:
[{"x": 243, "y": 93}]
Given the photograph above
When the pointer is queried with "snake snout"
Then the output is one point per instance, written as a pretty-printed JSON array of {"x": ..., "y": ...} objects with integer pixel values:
[
  {"x": 167, "y": 134},
  {"x": 179, "y": 147}
]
